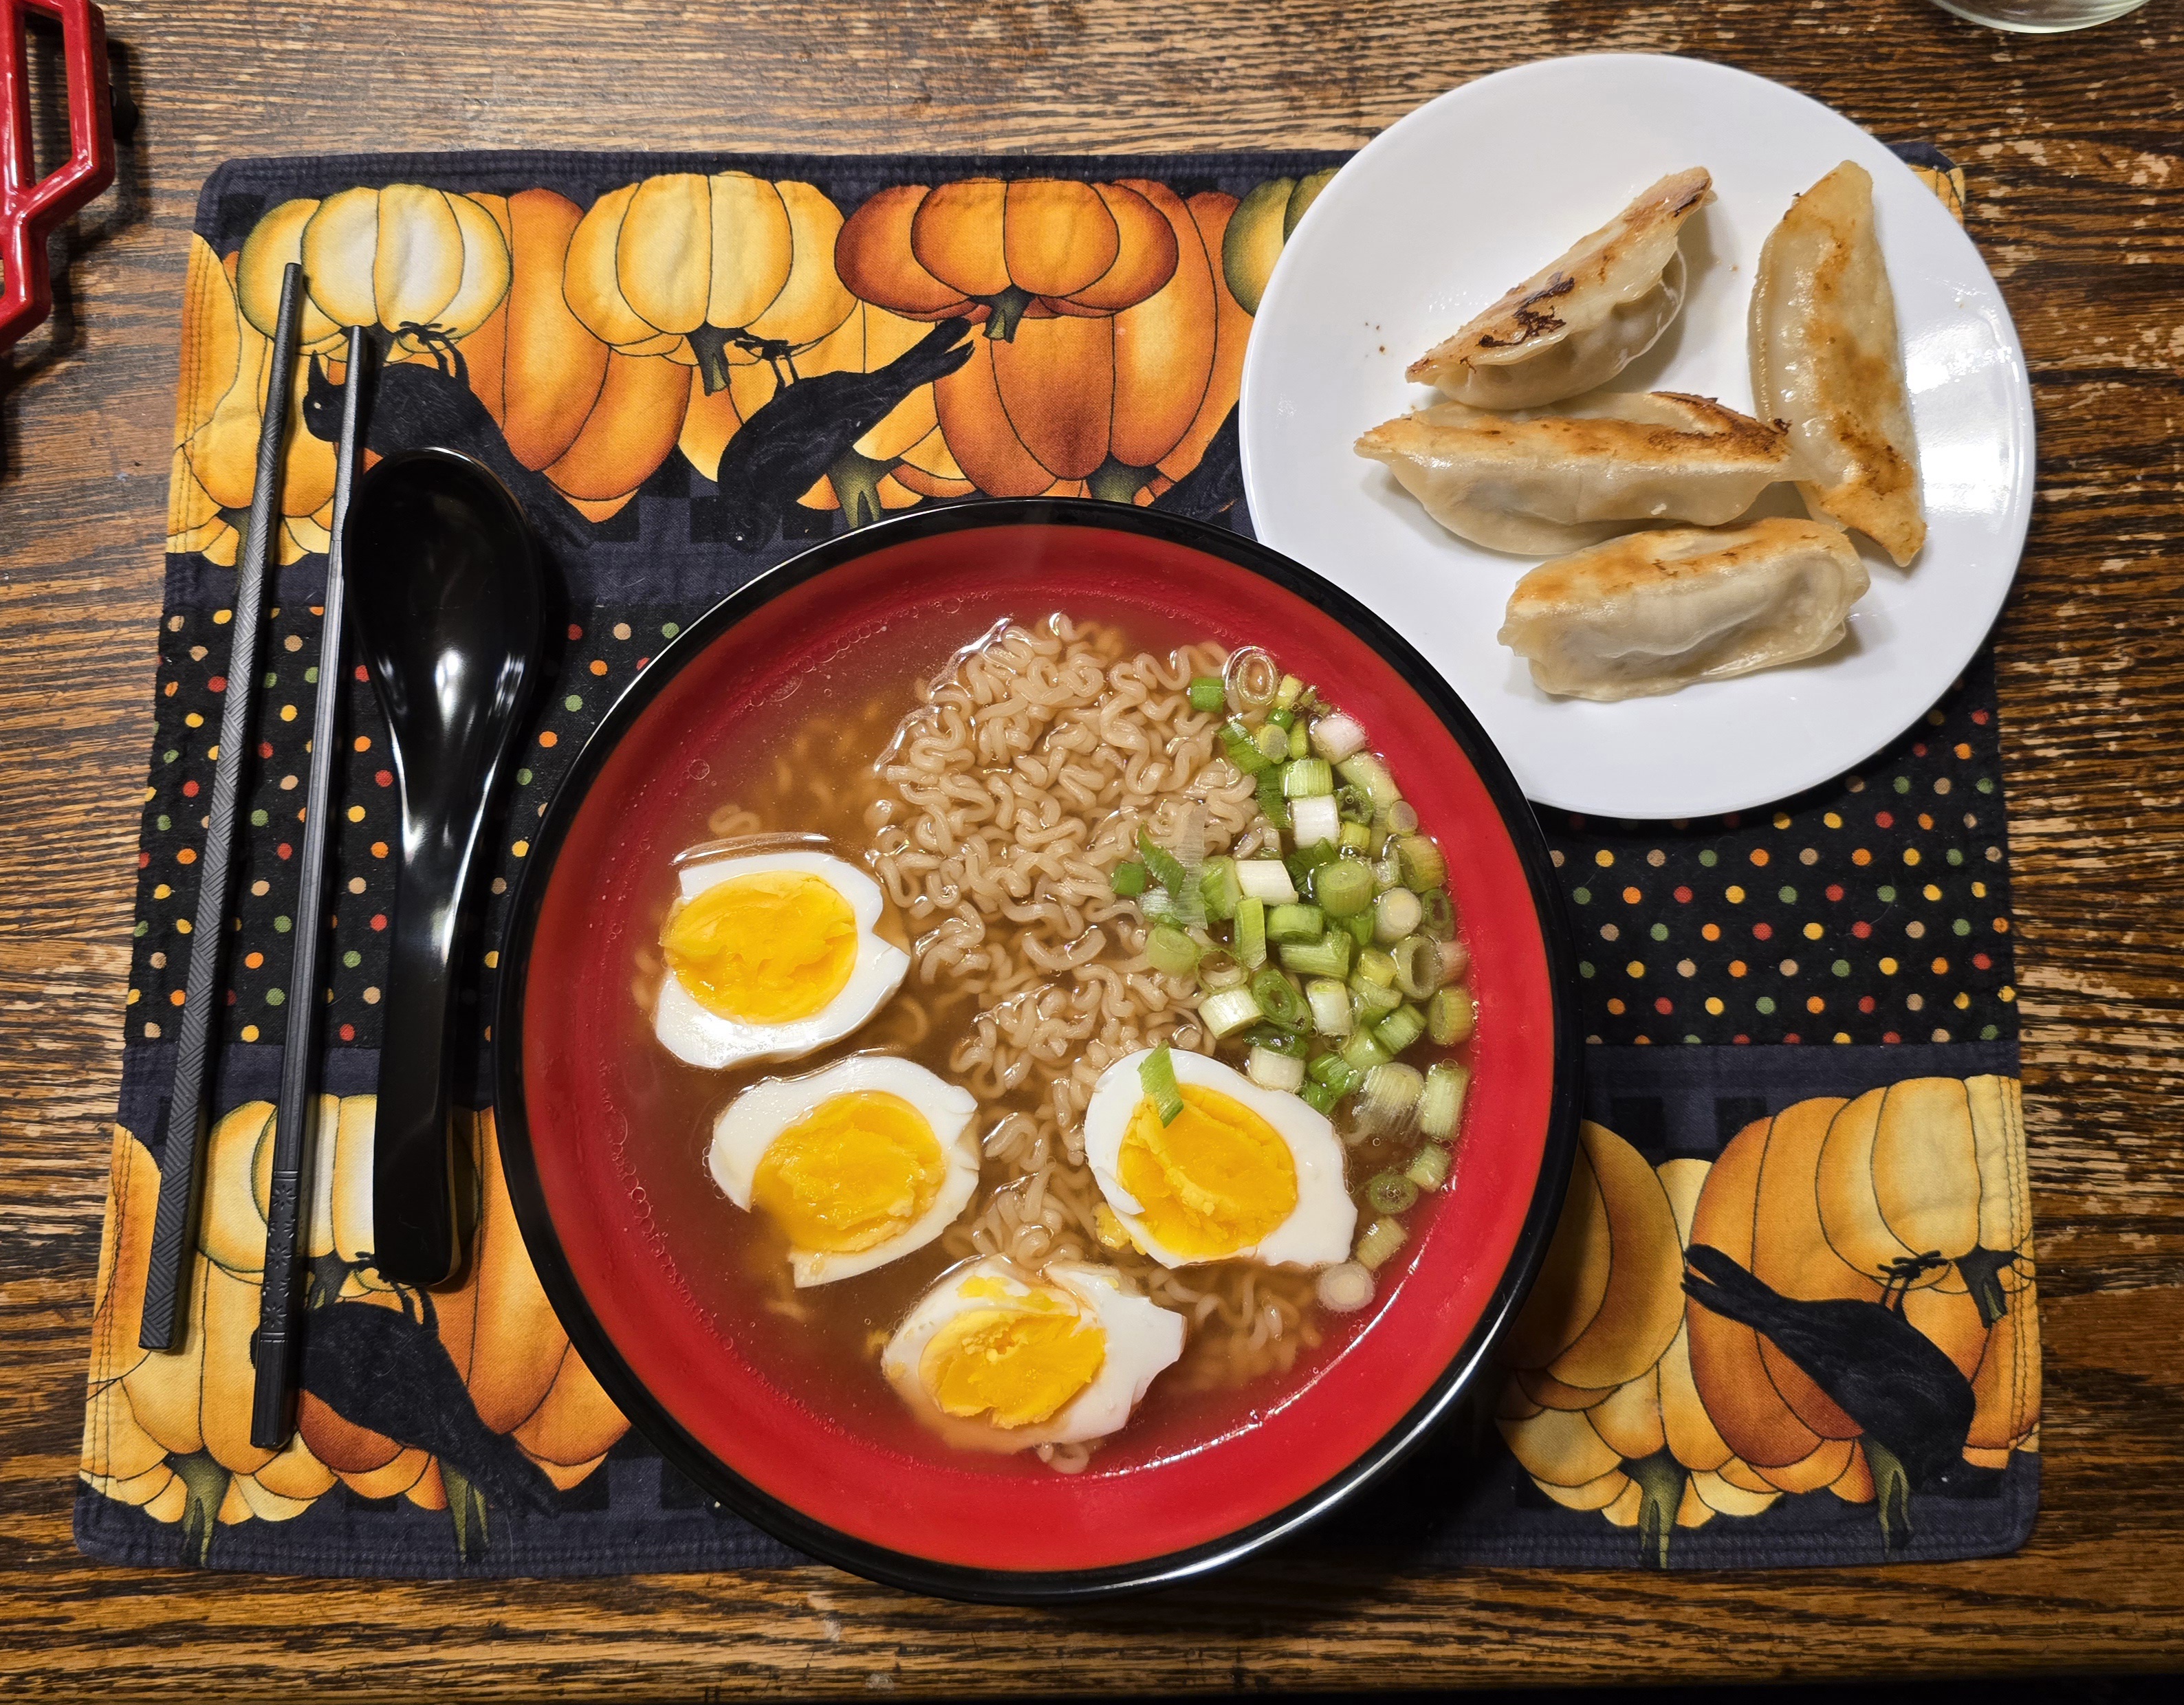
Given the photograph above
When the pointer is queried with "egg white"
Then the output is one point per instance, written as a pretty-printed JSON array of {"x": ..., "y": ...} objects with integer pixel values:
[
  {"x": 1142, "y": 1340},
  {"x": 1318, "y": 1228},
  {"x": 694, "y": 1033},
  {"x": 748, "y": 1126}
]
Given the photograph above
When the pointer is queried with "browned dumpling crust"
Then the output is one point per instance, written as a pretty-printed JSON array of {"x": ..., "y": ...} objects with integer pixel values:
[
  {"x": 1825, "y": 359},
  {"x": 1578, "y": 321}
]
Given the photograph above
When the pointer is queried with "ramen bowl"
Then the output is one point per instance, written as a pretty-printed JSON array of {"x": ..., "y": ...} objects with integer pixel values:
[{"x": 754, "y": 1390}]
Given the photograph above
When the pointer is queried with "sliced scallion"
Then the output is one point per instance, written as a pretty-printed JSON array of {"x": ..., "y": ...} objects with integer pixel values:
[
  {"x": 1319, "y": 1098},
  {"x": 1422, "y": 865},
  {"x": 1337, "y": 736},
  {"x": 1228, "y": 1012},
  {"x": 1266, "y": 879},
  {"x": 1343, "y": 887},
  {"x": 1217, "y": 969},
  {"x": 1290, "y": 690},
  {"x": 1364, "y": 770},
  {"x": 1377, "y": 968},
  {"x": 1335, "y": 1071},
  {"x": 1217, "y": 887},
  {"x": 1128, "y": 879},
  {"x": 1403, "y": 817},
  {"x": 1273, "y": 1071},
  {"x": 1301, "y": 745},
  {"x": 1440, "y": 916},
  {"x": 1362, "y": 1053},
  {"x": 1441, "y": 1104},
  {"x": 1359, "y": 928},
  {"x": 1207, "y": 693},
  {"x": 1328, "y": 956},
  {"x": 1274, "y": 743},
  {"x": 1382, "y": 1239},
  {"x": 1353, "y": 837},
  {"x": 1275, "y": 1040},
  {"x": 1250, "y": 947},
  {"x": 1451, "y": 1017},
  {"x": 1429, "y": 1167},
  {"x": 1330, "y": 1006},
  {"x": 1370, "y": 1002},
  {"x": 1272, "y": 805},
  {"x": 1295, "y": 922},
  {"x": 1157, "y": 1077},
  {"x": 1166, "y": 867},
  {"x": 1344, "y": 1288},
  {"x": 1418, "y": 967},
  {"x": 1314, "y": 821},
  {"x": 1391, "y": 1192},
  {"x": 1455, "y": 961},
  {"x": 1391, "y": 1091},
  {"x": 1242, "y": 749},
  {"x": 1307, "y": 778},
  {"x": 1356, "y": 806},
  {"x": 1281, "y": 716},
  {"x": 1400, "y": 1028},
  {"x": 1170, "y": 952},
  {"x": 1305, "y": 860},
  {"x": 1396, "y": 914},
  {"x": 1279, "y": 1003}
]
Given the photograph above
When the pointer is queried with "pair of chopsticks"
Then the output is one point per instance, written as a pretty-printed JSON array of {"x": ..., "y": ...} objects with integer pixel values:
[{"x": 166, "y": 1312}]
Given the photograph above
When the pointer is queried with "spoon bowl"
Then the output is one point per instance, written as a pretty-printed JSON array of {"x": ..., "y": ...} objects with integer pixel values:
[{"x": 445, "y": 590}]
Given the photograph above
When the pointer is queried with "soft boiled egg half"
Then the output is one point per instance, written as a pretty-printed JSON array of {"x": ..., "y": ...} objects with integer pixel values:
[
  {"x": 769, "y": 956},
  {"x": 1241, "y": 1173},
  {"x": 858, "y": 1164},
  {"x": 995, "y": 1360}
]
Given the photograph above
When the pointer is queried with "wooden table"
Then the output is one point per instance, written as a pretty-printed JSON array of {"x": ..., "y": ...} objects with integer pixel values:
[{"x": 2074, "y": 151}]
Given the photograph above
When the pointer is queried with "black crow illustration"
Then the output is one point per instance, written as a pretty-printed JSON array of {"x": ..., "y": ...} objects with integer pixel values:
[
  {"x": 386, "y": 1370},
  {"x": 1215, "y": 486},
  {"x": 810, "y": 424},
  {"x": 1881, "y": 1371}
]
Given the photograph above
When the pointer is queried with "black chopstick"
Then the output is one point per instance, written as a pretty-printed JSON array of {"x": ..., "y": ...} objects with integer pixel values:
[
  {"x": 175, "y": 1225},
  {"x": 273, "y": 1392}
]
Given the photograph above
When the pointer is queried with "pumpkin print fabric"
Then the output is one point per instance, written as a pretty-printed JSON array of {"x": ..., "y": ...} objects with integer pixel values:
[{"x": 1801, "y": 1091}]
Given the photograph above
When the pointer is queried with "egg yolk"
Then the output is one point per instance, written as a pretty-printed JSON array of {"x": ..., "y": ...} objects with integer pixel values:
[
  {"x": 1012, "y": 1366},
  {"x": 768, "y": 948},
  {"x": 1216, "y": 1180},
  {"x": 853, "y": 1172}
]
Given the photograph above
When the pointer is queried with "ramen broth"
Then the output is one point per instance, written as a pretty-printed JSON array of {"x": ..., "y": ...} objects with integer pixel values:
[{"x": 806, "y": 765}]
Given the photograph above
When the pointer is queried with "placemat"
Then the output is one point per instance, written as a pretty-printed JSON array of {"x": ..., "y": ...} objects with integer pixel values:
[{"x": 1803, "y": 1044}]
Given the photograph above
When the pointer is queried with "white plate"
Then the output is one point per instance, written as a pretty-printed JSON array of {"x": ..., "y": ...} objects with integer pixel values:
[{"x": 1447, "y": 209}]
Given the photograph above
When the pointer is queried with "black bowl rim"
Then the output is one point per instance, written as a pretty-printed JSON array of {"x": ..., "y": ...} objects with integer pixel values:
[{"x": 783, "y": 1521}]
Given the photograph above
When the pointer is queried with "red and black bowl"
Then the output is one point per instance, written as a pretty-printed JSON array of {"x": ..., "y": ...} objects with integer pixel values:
[{"x": 859, "y": 1484}]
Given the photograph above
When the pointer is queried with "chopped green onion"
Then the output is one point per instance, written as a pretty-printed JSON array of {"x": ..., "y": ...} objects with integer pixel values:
[
  {"x": 1300, "y": 747},
  {"x": 1454, "y": 962},
  {"x": 1157, "y": 1077},
  {"x": 1278, "y": 1040},
  {"x": 1350, "y": 800},
  {"x": 1218, "y": 969},
  {"x": 1382, "y": 1239},
  {"x": 1274, "y": 743},
  {"x": 1335, "y": 1071},
  {"x": 1273, "y": 1071},
  {"x": 1353, "y": 837},
  {"x": 1429, "y": 1167},
  {"x": 1330, "y": 1006},
  {"x": 1403, "y": 817},
  {"x": 1272, "y": 805},
  {"x": 1328, "y": 956},
  {"x": 1294, "y": 923},
  {"x": 1216, "y": 886},
  {"x": 1314, "y": 821},
  {"x": 1266, "y": 879},
  {"x": 1440, "y": 916},
  {"x": 1345, "y": 1287},
  {"x": 1252, "y": 677},
  {"x": 1338, "y": 736},
  {"x": 1308, "y": 778},
  {"x": 1370, "y": 1002},
  {"x": 1228, "y": 1012},
  {"x": 1283, "y": 717},
  {"x": 1377, "y": 968},
  {"x": 1319, "y": 1098},
  {"x": 1242, "y": 748},
  {"x": 1387, "y": 868},
  {"x": 1362, "y": 1053},
  {"x": 1422, "y": 865},
  {"x": 1166, "y": 867},
  {"x": 1304, "y": 861},
  {"x": 1400, "y": 1028},
  {"x": 1418, "y": 967},
  {"x": 1130, "y": 879},
  {"x": 1364, "y": 770},
  {"x": 1442, "y": 1103},
  {"x": 1279, "y": 1003},
  {"x": 1207, "y": 693},
  {"x": 1392, "y": 1096},
  {"x": 1360, "y": 928},
  {"x": 1171, "y": 953},
  {"x": 1396, "y": 914},
  {"x": 1391, "y": 1192},
  {"x": 1250, "y": 947},
  {"x": 1451, "y": 1017},
  {"x": 1289, "y": 692},
  {"x": 1343, "y": 887}
]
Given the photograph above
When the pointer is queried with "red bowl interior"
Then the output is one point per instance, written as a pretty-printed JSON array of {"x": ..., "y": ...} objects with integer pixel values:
[{"x": 867, "y": 1473}]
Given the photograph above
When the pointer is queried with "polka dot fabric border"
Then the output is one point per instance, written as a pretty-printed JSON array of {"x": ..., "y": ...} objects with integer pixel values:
[{"x": 1873, "y": 909}]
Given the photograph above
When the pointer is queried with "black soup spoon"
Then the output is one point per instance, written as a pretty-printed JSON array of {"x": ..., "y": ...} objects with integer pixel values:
[{"x": 445, "y": 588}]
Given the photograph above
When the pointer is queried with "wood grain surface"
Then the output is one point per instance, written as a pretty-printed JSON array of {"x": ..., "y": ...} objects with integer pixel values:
[{"x": 2074, "y": 151}]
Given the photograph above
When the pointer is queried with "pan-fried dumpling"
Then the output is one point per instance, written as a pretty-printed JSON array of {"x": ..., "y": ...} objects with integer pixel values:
[
  {"x": 1653, "y": 612},
  {"x": 1542, "y": 484},
  {"x": 1824, "y": 358},
  {"x": 1577, "y": 323}
]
